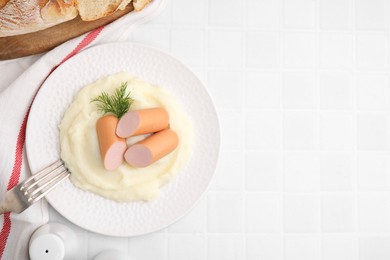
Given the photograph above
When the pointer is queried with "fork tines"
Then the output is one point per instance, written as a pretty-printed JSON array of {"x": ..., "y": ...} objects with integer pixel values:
[{"x": 38, "y": 185}]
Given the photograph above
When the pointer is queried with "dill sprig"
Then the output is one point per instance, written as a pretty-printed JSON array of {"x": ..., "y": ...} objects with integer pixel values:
[{"x": 117, "y": 104}]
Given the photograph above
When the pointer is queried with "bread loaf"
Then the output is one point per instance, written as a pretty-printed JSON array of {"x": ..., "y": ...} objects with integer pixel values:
[
  {"x": 19, "y": 17},
  {"x": 25, "y": 16}
]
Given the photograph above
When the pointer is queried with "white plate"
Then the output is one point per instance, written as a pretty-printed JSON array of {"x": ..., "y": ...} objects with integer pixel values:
[{"x": 91, "y": 211}]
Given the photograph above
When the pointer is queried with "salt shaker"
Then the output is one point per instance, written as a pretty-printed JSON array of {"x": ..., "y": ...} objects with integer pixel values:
[{"x": 53, "y": 241}]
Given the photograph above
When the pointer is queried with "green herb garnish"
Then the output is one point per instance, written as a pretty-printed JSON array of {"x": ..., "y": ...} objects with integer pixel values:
[{"x": 117, "y": 104}]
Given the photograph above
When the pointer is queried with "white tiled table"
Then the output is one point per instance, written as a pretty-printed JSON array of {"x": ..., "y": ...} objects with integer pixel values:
[{"x": 302, "y": 90}]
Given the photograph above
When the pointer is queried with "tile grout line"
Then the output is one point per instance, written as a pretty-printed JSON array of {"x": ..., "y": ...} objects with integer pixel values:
[
  {"x": 319, "y": 130},
  {"x": 281, "y": 107},
  {"x": 368, "y": 71},
  {"x": 293, "y": 192},
  {"x": 289, "y": 234},
  {"x": 263, "y": 29},
  {"x": 388, "y": 37},
  {"x": 244, "y": 130},
  {"x": 355, "y": 112}
]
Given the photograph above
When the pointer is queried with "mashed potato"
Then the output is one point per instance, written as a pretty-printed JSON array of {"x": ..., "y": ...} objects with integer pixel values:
[{"x": 80, "y": 147}]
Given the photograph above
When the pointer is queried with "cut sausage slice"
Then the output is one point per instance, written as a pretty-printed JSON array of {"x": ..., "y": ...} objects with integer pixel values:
[
  {"x": 152, "y": 148},
  {"x": 112, "y": 147},
  {"x": 144, "y": 121}
]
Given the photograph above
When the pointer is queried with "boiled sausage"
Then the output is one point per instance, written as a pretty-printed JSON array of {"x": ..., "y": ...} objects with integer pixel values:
[
  {"x": 144, "y": 121},
  {"x": 111, "y": 146},
  {"x": 152, "y": 148}
]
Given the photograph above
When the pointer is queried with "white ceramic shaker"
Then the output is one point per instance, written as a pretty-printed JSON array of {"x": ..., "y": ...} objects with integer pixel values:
[{"x": 53, "y": 241}]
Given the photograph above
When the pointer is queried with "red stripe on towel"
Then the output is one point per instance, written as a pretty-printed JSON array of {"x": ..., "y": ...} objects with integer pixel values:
[
  {"x": 16, "y": 170},
  {"x": 5, "y": 233},
  {"x": 84, "y": 43}
]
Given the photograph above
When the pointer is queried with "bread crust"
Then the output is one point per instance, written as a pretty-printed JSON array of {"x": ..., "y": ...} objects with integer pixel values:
[
  {"x": 90, "y": 10},
  {"x": 3, "y": 3},
  {"x": 140, "y": 4},
  {"x": 42, "y": 3},
  {"x": 58, "y": 11},
  {"x": 19, "y": 17}
]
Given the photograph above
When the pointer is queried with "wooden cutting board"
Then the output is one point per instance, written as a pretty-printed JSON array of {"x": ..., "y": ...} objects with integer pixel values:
[{"x": 37, "y": 42}]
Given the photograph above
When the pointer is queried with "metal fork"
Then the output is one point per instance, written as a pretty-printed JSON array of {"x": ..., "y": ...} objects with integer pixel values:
[{"x": 34, "y": 188}]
